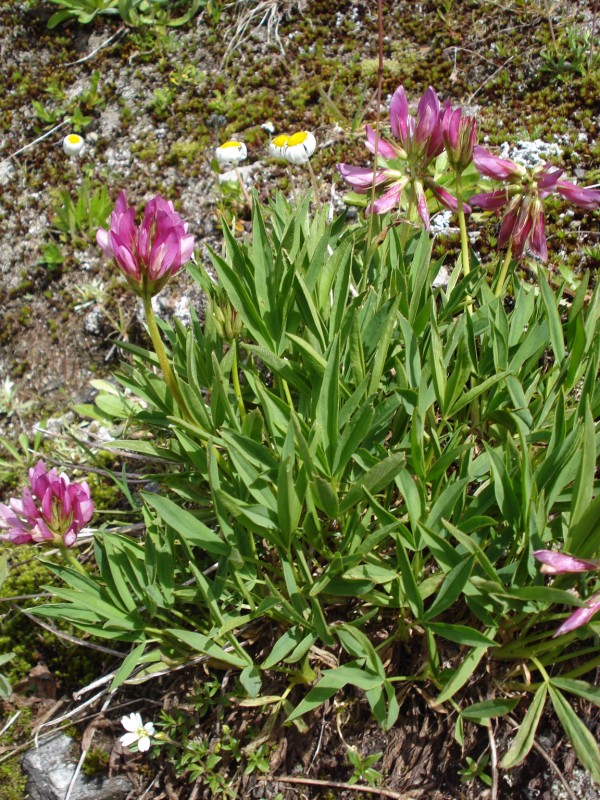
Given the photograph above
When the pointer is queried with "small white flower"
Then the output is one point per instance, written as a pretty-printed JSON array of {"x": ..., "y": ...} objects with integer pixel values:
[
  {"x": 137, "y": 732},
  {"x": 73, "y": 144},
  {"x": 277, "y": 146},
  {"x": 300, "y": 147},
  {"x": 270, "y": 128},
  {"x": 231, "y": 153}
]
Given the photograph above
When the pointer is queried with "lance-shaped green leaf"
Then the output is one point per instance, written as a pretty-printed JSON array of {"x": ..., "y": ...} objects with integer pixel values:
[
  {"x": 579, "y": 735},
  {"x": 523, "y": 741},
  {"x": 375, "y": 479},
  {"x": 186, "y": 524},
  {"x": 327, "y": 410}
]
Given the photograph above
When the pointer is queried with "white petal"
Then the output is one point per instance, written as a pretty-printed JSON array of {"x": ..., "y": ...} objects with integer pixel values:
[
  {"x": 144, "y": 744},
  {"x": 128, "y": 739},
  {"x": 131, "y": 722},
  {"x": 149, "y": 728}
]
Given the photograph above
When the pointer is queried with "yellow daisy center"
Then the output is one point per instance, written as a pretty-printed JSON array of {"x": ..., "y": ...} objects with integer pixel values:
[
  {"x": 297, "y": 138},
  {"x": 231, "y": 144},
  {"x": 72, "y": 138},
  {"x": 281, "y": 140}
]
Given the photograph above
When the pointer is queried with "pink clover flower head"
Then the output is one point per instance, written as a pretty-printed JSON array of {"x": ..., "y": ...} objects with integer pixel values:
[
  {"x": 554, "y": 563},
  {"x": 580, "y": 616},
  {"x": 138, "y": 732},
  {"x": 521, "y": 200},
  {"x": 404, "y": 177},
  {"x": 151, "y": 252},
  {"x": 52, "y": 509}
]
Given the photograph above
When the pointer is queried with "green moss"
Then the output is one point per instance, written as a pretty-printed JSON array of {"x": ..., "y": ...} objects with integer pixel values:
[
  {"x": 12, "y": 779},
  {"x": 96, "y": 762}
]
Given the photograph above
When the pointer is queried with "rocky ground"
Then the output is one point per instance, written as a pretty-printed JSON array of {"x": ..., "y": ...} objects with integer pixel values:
[{"x": 151, "y": 104}]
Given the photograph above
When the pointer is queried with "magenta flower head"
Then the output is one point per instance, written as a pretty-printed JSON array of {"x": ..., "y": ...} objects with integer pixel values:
[
  {"x": 149, "y": 253},
  {"x": 405, "y": 176},
  {"x": 52, "y": 510},
  {"x": 521, "y": 200}
]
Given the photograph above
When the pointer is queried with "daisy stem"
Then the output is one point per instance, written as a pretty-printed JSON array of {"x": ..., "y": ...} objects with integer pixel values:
[
  {"x": 243, "y": 188},
  {"x": 503, "y": 271},
  {"x": 160, "y": 351},
  {"x": 315, "y": 185},
  {"x": 292, "y": 184},
  {"x": 236, "y": 381}
]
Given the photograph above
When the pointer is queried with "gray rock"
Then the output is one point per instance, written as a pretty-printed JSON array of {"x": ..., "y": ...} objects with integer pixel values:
[{"x": 50, "y": 768}]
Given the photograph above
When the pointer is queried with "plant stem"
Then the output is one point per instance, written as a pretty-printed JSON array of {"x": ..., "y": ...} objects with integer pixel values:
[
  {"x": 236, "y": 381},
  {"x": 503, "y": 271},
  {"x": 243, "y": 187},
  {"x": 315, "y": 185},
  {"x": 464, "y": 237},
  {"x": 160, "y": 351},
  {"x": 72, "y": 561}
]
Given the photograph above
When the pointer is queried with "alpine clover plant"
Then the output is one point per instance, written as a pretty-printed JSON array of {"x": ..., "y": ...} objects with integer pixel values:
[{"x": 365, "y": 467}]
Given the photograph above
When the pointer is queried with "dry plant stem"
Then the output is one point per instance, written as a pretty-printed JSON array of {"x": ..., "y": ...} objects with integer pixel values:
[
  {"x": 315, "y": 185},
  {"x": 503, "y": 271},
  {"x": 159, "y": 349},
  {"x": 593, "y": 36},
  {"x": 377, "y": 121},
  {"x": 243, "y": 188},
  {"x": 336, "y": 785},
  {"x": 494, "y": 763}
]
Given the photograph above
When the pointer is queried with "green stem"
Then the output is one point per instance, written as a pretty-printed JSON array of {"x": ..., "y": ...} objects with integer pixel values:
[
  {"x": 161, "y": 353},
  {"x": 236, "y": 381},
  {"x": 503, "y": 271},
  {"x": 73, "y": 562},
  {"x": 462, "y": 222},
  {"x": 286, "y": 391}
]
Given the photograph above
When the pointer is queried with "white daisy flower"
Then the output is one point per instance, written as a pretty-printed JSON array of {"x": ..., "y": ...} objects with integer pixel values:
[
  {"x": 73, "y": 144},
  {"x": 231, "y": 153},
  {"x": 300, "y": 147},
  {"x": 268, "y": 127},
  {"x": 137, "y": 732},
  {"x": 277, "y": 146}
]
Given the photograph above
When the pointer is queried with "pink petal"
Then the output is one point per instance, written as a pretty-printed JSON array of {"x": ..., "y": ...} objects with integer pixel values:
[
  {"x": 388, "y": 200},
  {"x": 581, "y": 616},
  {"x": 490, "y": 201},
  {"x": 399, "y": 114},
  {"x": 579, "y": 195},
  {"x": 554, "y": 563},
  {"x": 384, "y": 149},
  {"x": 494, "y": 167}
]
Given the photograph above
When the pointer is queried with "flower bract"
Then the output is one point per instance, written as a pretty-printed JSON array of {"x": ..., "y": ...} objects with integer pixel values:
[
  {"x": 52, "y": 509},
  {"x": 151, "y": 252}
]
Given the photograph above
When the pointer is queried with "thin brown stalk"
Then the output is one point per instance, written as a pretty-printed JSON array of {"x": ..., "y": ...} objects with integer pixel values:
[
  {"x": 337, "y": 785},
  {"x": 377, "y": 114}
]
